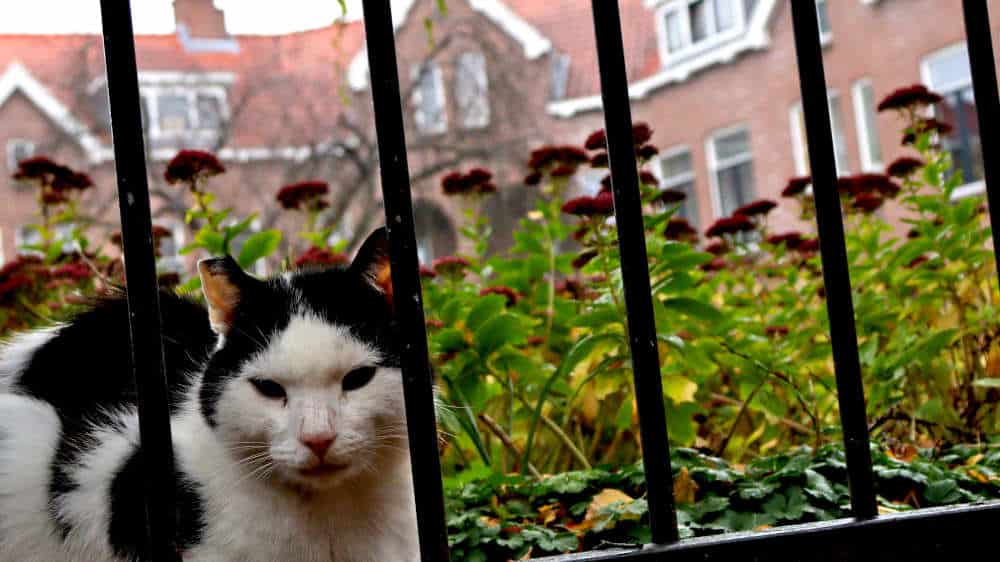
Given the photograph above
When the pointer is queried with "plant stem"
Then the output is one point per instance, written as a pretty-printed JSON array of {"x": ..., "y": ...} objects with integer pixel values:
[
  {"x": 493, "y": 426},
  {"x": 554, "y": 427}
]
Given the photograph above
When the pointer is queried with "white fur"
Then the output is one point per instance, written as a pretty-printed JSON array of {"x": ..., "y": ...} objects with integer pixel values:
[
  {"x": 16, "y": 353},
  {"x": 256, "y": 509}
]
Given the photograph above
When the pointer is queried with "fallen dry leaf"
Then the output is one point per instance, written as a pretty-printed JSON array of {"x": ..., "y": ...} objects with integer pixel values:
[{"x": 685, "y": 488}]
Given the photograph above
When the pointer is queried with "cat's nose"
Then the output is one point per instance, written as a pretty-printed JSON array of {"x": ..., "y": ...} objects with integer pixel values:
[{"x": 319, "y": 444}]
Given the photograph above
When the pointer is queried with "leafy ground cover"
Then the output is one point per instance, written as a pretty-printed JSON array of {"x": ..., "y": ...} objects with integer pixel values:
[{"x": 508, "y": 517}]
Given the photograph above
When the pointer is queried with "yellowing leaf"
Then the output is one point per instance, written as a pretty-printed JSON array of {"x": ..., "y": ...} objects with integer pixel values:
[
  {"x": 685, "y": 488},
  {"x": 993, "y": 361},
  {"x": 974, "y": 459},
  {"x": 679, "y": 389},
  {"x": 548, "y": 513}
]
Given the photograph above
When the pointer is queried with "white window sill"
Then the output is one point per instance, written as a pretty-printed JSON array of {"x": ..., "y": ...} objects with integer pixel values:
[{"x": 969, "y": 190}]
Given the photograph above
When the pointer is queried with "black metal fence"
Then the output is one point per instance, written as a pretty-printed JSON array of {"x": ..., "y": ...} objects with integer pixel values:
[{"x": 930, "y": 534}]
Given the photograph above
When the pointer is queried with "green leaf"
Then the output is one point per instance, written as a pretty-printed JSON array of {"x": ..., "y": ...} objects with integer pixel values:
[
  {"x": 987, "y": 383},
  {"x": 943, "y": 492},
  {"x": 259, "y": 245},
  {"x": 693, "y": 308},
  {"x": 497, "y": 332},
  {"x": 488, "y": 307}
]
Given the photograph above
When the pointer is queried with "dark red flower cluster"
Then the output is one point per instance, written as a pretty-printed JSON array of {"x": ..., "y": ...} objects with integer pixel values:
[
  {"x": 510, "y": 294},
  {"x": 717, "y": 248},
  {"x": 809, "y": 246},
  {"x": 572, "y": 288},
  {"x": 913, "y": 96},
  {"x": 796, "y": 186},
  {"x": 584, "y": 258},
  {"x": 546, "y": 156},
  {"x": 434, "y": 323},
  {"x": 56, "y": 181},
  {"x": 867, "y": 202},
  {"x": 76, "y": 271},
  {"x": 646, "y": 152},
  {"x": 729, "y": 226},
  {"x": 305, "y": 195},
  {"x": 602, "y": 204},
  {"x": 534, "y": 178},
  {"x": 879, "y": 184},
  {"x": 671, "y": 196},
  {"x": 904, "y": 167},
  {"x": 717, "y": 264},
  {"x": 12, "y": 283},
  {"x": 648, "y": 179},
  {"x": 192, "y": 166},
  {"x": 599, "y": 160},
  {"x": 776, "y": 331},
  {"x": 450, "y": 265},
  {"x": 478, "y": 181},
  {"x": 790, "y": 240},
  {"x": 427, "y": 272},
  {"x": 760, "y": 207},
  {"x": 680, "y": 229},
  {"x": 52, "y": 198},
  {"x": 320, "y": 257}
]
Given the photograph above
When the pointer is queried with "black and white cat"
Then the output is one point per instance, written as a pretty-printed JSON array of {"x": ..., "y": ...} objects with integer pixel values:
[{"x": 287, "y": 415}]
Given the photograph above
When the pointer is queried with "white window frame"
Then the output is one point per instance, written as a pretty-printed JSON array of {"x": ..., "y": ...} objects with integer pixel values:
[
  {"x": 12, "y": 145},
  {"x": 435, "y": 74},
  {"x": 153, "y": 85},
  {"x": 174, "y": 263},
  {"x": 800, "y": 152},
  {"x": 715, "y": 165},
  {"x": 825, "y": 37},
  {"x": 867, "y": 139},
  {"x": 673, "y": 181},
  {"x": 973, "y": 187},
  {"x": 560, "y": 67},
  {"x": 472, "y": 119},
  {"x": 688, "y": 50}
]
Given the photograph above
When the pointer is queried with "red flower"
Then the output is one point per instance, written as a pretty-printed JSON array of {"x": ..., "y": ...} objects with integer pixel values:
[
  {"x": 796, "y": 186},
  {"x": 12, "y": 284},
  {"x": 320, "y": 257},
  {"x": 918, "y": 261},
  {"x": 600, "y": 160},
  {"x": 729, "y": 225},
  {"x": 867, "y": 202},
  {"x": 936, "y": 125},
  {"x": 868, "y": 183},
  {"x": 38, "y": 168},
  {"x": 679, "y": 228},
  {"x": 307, "y": 192},
  {"x": 584, "y": 206},
  {"x": 450, "y": 265},
  {"x": 541, "y": 157},
  {"x": 434, "y": 323},
  {"x": 507, "y": 292},
  {"x": 453, "y": 183},
  {"x": 604, "y": 204},
  {"x": 584, "y": 258},
  {"x": 717, "y": 248},
  {"x": 485, "y": 188},
  {"x": 572, "y": 288},
  {"x": 189, "y": 166},
  {"x": 605, "y": 184},
  {"x": 916, "y": 95},
  {"x": 534, "y": 178},
  {"x": 759, "y": 207},
  {"x": 904, "y": 167},
  {"x": 478, "y": 176},
  {"x": 427, "y": 272},
  {"x": 776, "y": 331},
  {"x": 570, "y": 154},
  {"x": 808, "y": 246},
  {"x": 671, "y": 196},
  {"x": 596, "y": 141},
  {"x": 717, "y": 264},
  {"x": 791, "y": 240},
  {"x": 647, "y": 178},
  {"x": 563, "y": 171},
  {"x": 76, "y": 271},
  {"x": 70, "y": 180},
  {"x": 646, "y": 152}
]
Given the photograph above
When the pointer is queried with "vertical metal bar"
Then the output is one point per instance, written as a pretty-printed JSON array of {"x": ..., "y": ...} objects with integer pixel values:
[
  {"x": 984, "y": 82},
  {"x": 408, "y": 302},
  {"x": 635, "y": 272},
  {"x": 836, "y": 275},
  {"x": 156, "y": 447}
]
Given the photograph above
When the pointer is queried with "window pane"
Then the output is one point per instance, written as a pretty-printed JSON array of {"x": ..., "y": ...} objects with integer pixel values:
[
  {"x": 675, "y": 34},
  {"x": 823, "y": 13},
  {"x": 748, "y": 8},
  {"x": 950, "y": 71},
  {"x": 689, "y": 208},
  {"x": 698, "y": 12},
  {"x": 560, "y": 76},
  {"x": 839, "y": 142},
  {"x": 428, "y": 99},
  {"x": 209, "y": 112},
  {"x": 866, "y": 95},
  {"x": 731, "y": 145},
  {"x": 959, "y": 110},
  {"x": 472, "y": 90},
  {"x": 173, "y": 113},
  {"x": 725, "y": 14},
  {"x": 676, "y": 165},
  {"x": 735, "y": 187}
]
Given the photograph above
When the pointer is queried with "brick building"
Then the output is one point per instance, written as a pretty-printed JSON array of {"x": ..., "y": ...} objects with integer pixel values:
[{"x": 486, "y": 82}]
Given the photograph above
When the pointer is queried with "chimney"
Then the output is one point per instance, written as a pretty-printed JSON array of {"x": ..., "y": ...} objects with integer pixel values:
[{"x": 200, "y": 19}]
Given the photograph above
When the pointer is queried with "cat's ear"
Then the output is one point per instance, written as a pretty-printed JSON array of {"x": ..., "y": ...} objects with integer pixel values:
[
  {"x": 223, "y": 282},
  {"x": 372, "y": 262}
]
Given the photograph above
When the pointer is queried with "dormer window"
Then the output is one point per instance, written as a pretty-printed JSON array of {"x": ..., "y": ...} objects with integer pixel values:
[
  {"x": 691, "y": 26},
  {"x": 184, "y": 109}
]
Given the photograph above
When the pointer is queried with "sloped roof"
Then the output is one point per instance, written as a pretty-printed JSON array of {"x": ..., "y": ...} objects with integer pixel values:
[{"x": 286, "y": 86}]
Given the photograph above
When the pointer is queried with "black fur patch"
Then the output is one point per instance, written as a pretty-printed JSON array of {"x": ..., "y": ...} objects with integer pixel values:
[
  {"x": 339, "y": 296},
  {"x": 127, "y": 529},
  {"x": 84, "y": 372}
]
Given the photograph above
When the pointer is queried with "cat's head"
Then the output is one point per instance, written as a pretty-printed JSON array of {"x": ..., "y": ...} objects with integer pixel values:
[{"x": 305, "y": 383}]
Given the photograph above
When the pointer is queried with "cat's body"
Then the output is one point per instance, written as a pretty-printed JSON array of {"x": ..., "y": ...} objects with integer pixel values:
[{"x": 288, "y": 430}]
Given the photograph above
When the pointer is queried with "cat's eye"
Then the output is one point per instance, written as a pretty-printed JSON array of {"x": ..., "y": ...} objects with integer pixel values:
[
  {"x": 358, "y": 378},
  {"x": 269, "y": 388}
]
